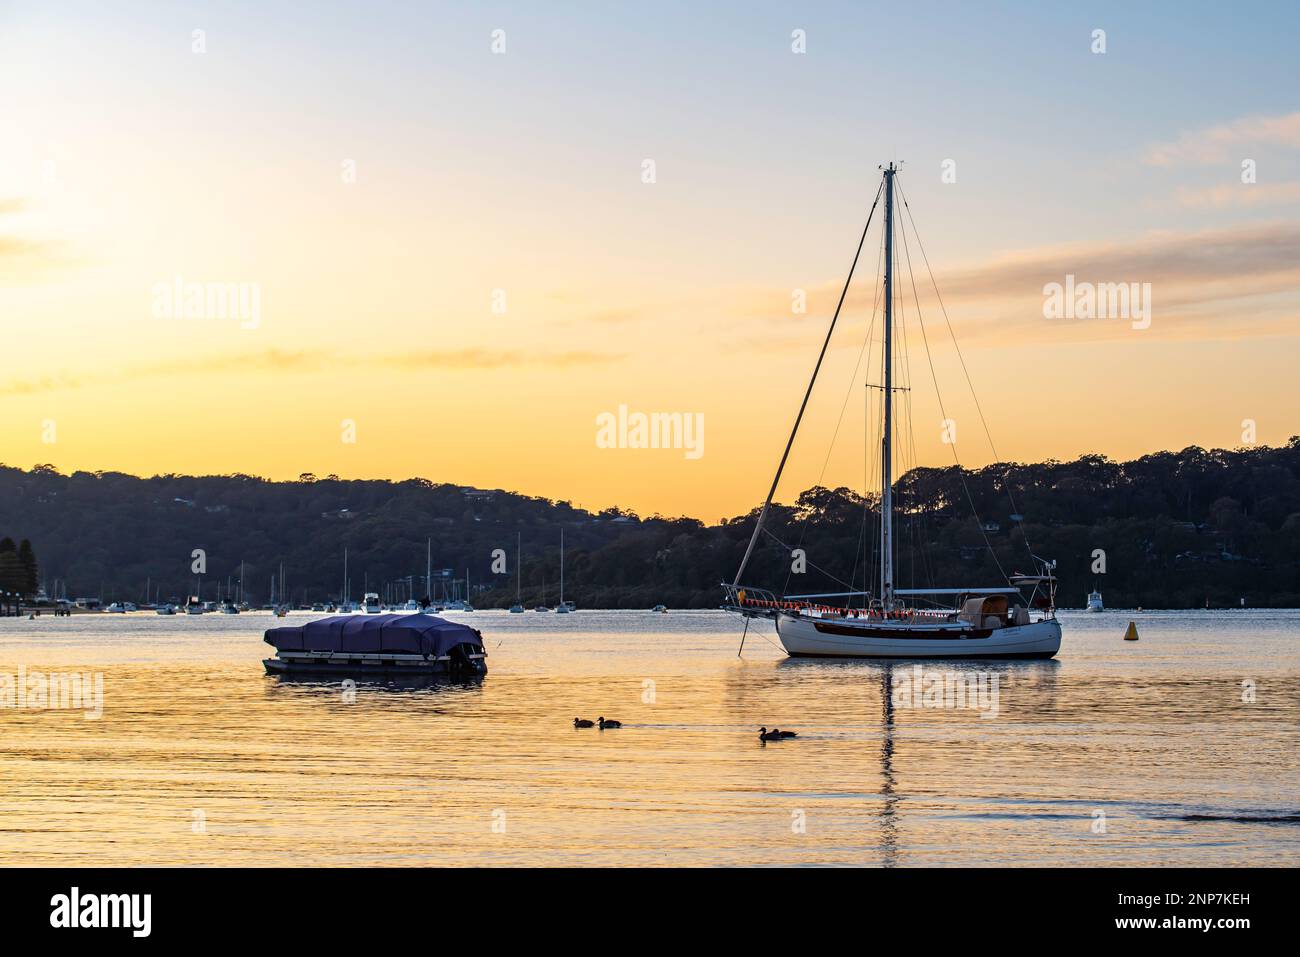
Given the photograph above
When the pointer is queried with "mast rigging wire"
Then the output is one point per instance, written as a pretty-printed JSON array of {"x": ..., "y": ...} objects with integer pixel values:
[
  {"x": 1006, "y": 475},
  {"x": 961, "y": 473},
  {"x": 767, "y": 505}
]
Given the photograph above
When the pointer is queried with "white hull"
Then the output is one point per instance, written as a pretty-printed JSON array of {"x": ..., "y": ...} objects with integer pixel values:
[{"x": 832, "y": 638}]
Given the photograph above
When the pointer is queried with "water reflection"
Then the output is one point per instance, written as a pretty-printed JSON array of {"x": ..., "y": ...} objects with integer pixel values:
[
  {"x": 377, "y": 683},
  {"x": 1161, "y": 734},
  {"x": 889, "y": 805}
]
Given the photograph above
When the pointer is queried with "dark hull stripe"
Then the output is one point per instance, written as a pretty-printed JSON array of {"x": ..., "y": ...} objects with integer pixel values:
[
  {"x": 1004, "y": 655},
  {"x": 904, "y": 634}
]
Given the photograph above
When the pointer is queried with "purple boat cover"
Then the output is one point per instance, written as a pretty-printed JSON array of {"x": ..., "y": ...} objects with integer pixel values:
[{"x": 371, "y": 634}]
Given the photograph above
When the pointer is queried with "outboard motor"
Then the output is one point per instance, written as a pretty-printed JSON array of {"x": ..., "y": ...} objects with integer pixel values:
[{"x": 462, "y": 665}]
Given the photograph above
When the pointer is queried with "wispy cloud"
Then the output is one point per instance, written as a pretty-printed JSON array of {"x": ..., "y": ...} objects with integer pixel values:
[
  {"x": 24, "y": 259},
  {"x": 470, "y": 359},
  {"x": 1243, "y": 195},
  {"x": 1257, "y": 258},
  {"x": 1225, "y": 142},
  {"x": 308, "y": 361},
  {"x": 21, "y": 257},
  {"x": 1207, "y": 284}
]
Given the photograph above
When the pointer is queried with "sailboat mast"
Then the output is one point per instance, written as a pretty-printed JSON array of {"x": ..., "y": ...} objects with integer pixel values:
[
  {"x": 561, "y": 566},
  {"x": 886, "y": 465},
  {"x": 519, "y": 571}
]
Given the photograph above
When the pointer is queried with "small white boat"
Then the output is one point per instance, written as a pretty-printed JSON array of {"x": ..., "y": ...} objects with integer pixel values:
[
  {"x": 167, "y": 609},
  {"x": 563, "y": 608},
  {"x": 194, "y": 609},
  {"x": 228, "y": 608},
  {"x": 660, "y": 609},
  {"x": 411, "y": 605},
  {"x": 370, "y": 603},
  {"x": 1094, "y": 602},
  {"x": 518, "y": 608},
  {"x": 116, "y": 608}
]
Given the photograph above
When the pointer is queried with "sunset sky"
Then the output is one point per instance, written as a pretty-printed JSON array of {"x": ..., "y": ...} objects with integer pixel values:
[{"x": 128, "y": 158}]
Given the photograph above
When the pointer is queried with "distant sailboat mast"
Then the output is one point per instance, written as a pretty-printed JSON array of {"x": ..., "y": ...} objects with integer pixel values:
[{"x": 561, "y": 566}]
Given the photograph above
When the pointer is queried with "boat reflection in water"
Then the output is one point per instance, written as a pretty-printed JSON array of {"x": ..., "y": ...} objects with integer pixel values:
[
  {"x": 909, "y": 688},
  {"x": 395, "y": 683}
]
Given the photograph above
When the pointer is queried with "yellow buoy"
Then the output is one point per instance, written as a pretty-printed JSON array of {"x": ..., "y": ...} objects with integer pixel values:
[{"x": 1132, "y": 633}]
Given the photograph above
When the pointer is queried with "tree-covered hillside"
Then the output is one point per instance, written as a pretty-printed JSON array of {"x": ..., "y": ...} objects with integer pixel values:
[{"x": 1176, "y": 529}]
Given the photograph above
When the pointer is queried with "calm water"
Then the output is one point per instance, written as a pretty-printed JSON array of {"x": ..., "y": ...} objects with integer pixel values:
[{"x": 199, "y": 758}]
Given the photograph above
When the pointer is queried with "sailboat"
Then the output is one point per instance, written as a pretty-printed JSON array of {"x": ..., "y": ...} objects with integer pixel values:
[
  {"x": 465, "y": 605},
  {"x": 563, "y": 607},
  {"x": 284, "y": 607},
  {"x": 966, "y": 621},
  {"x": 517, "y": 608}
]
